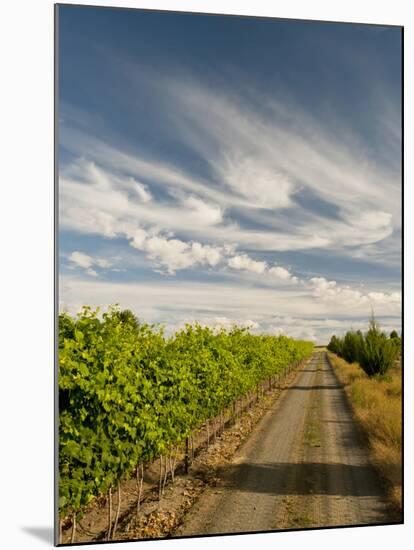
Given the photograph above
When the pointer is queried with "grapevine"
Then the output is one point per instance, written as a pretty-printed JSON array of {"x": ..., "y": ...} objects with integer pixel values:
[{"x": 128, "y": 394}]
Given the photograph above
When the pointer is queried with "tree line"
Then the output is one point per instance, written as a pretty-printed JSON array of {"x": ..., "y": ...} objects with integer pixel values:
[{"x": 373, "y": 350}]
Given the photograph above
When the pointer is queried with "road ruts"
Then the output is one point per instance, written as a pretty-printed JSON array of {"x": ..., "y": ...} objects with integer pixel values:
[{"x": 305, "y": 465}]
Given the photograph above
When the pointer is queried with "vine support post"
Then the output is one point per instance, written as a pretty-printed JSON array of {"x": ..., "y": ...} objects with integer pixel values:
[
  {"x": 165, "y": 474},
  {"x": 72, "y": 537},
  {"x": 118, "y": 509},
  {"x": 160, "y": 483},
  {"x": 186, "y": 458},
  {"x": 172, "y": 465},
  {"x": 139, "y": 482},
  {"x": 108, "y": 537}
]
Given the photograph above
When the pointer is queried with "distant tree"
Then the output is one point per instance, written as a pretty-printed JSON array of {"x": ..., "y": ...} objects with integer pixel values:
[
  {"x": 127, "y": 317},
  {"x": 396, "y": 340},
  {"x": 378, "y": 353},
  {"x": 352, "y": 345},
  {"x": 374, "y": 352},
  {"x": 335, "y": 345}
]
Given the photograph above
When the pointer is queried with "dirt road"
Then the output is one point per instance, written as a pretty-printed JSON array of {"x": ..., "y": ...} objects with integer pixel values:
[{"x": 305, "y": 465}]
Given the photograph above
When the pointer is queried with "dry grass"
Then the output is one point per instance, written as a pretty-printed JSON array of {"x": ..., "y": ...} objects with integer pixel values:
[
  {"x": 377, "y": 406},
  {"x": 320, "y": 348}
]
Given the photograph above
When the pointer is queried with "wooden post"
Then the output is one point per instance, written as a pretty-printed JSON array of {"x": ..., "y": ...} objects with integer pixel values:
[
  {"x": 186, "y": 456},
  {"x": 72, "y": 538}
]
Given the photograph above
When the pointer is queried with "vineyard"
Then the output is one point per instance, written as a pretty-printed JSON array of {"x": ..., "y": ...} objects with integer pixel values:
[{"x": 128, "y": 394}]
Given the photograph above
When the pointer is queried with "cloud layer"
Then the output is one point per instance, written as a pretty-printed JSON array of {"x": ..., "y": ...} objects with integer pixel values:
[{"x": 246, "y": 189}]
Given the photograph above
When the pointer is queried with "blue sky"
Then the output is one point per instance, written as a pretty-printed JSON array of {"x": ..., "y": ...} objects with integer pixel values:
[{"x": 227, "y": 169}]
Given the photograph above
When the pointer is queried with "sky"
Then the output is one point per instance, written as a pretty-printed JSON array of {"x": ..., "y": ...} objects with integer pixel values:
[{"x": 230, "y": 170}]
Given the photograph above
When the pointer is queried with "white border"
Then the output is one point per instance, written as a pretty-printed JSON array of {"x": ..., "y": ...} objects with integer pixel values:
[{"x": 26, "y": 312}]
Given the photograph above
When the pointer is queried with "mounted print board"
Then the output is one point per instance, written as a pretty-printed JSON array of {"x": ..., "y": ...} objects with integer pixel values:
[{"x": 229, "y": 263}]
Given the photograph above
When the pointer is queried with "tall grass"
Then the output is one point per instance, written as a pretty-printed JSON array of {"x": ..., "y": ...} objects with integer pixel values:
[{"x": 377, "y": 405}]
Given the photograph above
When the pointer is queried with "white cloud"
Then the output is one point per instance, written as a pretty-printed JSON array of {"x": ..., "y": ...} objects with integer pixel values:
[
  {"x": 393, "y": 298},
  {"x": 189, "y": 300},
  {"x": 262, "y": 185},
  {"x": 138, "y": 238},
  {"x": 299, "y": 331},
  {"x": 94, "y": 200},
  {"x": 80, "y": 259},
  {"x": 140, "y": 190},
  {"x": 87, "y": 262},
  {"x": 243, "y": 261},
  {"x": 103, "y": 262},
  {"x": 276, "y": 273},
  {"x": 287, "y": 140},
  {"x": 330, "y": 291},
  {"x": 218, "y": 323},
  {"x": 206, "y": 254},
  {"x": 174, "y": 254},
  {"x": 372, "y": 219},
  {"x": 203, "y": 212},
  {"x": 282, "y": 273},
  {"x": 257, "y": 164},
  {"x": 279, "y": 181},
  {"x": 343, "y": 295}
]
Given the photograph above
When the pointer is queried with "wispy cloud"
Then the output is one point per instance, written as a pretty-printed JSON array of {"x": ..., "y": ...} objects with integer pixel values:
[
  {"x": 88, "y": 263},
  {"x": 266, "y": 309},
  {"x": 256, "y": 175},
  {"x": 262, "y": 163}
]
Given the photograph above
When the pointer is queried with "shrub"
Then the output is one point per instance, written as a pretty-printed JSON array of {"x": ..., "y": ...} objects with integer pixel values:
[
  {"x": 378, "y": 353},
  {"x": 335, "y": 345},
  {"x": 374, "y": 352},
  {"x": 352, "y": 346},
  {"x": 396, "y": 340}
]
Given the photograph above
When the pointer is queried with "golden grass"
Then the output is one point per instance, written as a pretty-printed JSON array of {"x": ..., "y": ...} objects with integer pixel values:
[{"x": 377, "y": 406}]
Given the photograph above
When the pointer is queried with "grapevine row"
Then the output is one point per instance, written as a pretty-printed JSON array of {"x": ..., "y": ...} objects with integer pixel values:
[{"x": 128, "y": 394}]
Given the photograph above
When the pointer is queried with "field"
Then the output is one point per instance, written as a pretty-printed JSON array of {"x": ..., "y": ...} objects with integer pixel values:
[
  {"x": 219, "y": 431},
  {"x": 128, "y": 397},
  {"x": 377, "y": 406}
]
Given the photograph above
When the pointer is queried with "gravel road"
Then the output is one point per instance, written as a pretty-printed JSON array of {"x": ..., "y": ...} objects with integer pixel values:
[{"x": 305, "y": 465}]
